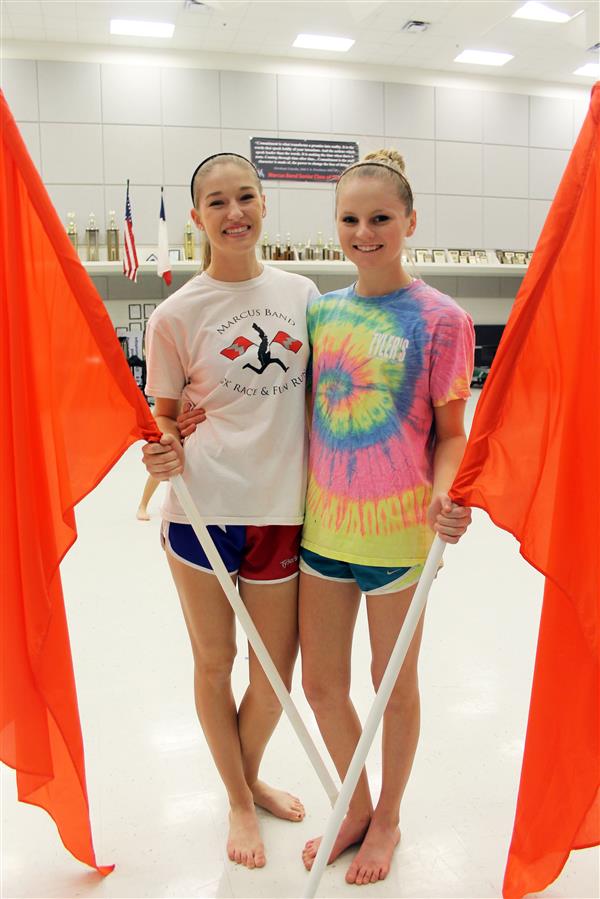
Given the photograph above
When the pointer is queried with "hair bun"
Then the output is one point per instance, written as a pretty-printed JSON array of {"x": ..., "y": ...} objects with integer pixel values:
[{"x": 390, "y": 157}]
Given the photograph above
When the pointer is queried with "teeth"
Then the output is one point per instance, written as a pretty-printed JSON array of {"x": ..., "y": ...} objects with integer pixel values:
[
  {"x": 369, "y": 249},
  {"x": 239, "y": 230}
]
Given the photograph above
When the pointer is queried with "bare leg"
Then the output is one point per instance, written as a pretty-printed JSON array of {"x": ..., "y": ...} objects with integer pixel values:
[
  {"x": 274, "y": 610},
  {"x": 401, "y": 723},
  {"x": 149, "y": 490},
  {"x": 328, "y": 611},
  {"x": 211, "y": 626}
]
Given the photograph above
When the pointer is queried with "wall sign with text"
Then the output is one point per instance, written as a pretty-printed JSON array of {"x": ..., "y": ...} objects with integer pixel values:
[{"x": 278, "y": 159}]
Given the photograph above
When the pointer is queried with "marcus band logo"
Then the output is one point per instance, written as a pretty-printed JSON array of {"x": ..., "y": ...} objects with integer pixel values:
[{"x": 265, "y": 357}]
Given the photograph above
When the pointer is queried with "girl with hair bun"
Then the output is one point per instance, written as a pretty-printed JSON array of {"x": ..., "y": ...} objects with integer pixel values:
[
  {"x": 230, "y": 347},
  {"x": 392, "y": 363}
]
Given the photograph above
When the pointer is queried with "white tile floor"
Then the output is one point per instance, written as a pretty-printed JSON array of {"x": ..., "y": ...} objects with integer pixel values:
[{"x": 158, "y": 809}]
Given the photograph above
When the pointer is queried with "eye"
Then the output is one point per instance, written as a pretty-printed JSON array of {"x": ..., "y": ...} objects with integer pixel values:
[
  {"x": 349, "y": 220},
  {"x": 216, "y": 203},
  {"x": 247, "y": 197},
  {"x": 381, "y": 218}
]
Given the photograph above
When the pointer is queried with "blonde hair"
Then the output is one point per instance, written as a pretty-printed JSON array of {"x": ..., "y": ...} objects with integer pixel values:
[
  {"x": 385, "y": 164},
  {"x": 203, "y": 169}
]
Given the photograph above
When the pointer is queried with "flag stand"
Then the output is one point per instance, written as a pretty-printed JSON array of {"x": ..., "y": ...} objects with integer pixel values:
[
  {"x": 375, "y": 715},
  {"x": 254, "y": 638}
]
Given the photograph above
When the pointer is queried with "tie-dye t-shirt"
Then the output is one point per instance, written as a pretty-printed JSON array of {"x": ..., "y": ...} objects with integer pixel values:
[{"x": 380, "y": 365}]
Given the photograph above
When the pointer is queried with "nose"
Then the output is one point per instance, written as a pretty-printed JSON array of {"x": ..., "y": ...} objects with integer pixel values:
[
  {"x": 363, "y": 230},
  {"x": 234, "y": 212}
]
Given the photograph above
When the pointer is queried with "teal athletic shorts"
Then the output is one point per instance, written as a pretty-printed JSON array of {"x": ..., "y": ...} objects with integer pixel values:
[{"x": 372, "y": 580}]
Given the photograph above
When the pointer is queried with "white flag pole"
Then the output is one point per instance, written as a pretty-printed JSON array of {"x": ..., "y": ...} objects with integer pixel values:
[
  {"x": 206, "y": 541},
  {"x": 375, "y": 715}
]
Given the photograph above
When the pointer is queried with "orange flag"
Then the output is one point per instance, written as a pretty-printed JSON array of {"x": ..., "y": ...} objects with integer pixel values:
[
  {"x": 533, "y": 463},
  {"x": 70, "y": 408}
]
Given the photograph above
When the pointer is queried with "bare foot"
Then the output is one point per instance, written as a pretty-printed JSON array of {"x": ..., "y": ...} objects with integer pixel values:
[
  {"x": 142, "y": 514},
  {"x": 373, "y": 859},
  {"x": 244, "y": 845},
  {"x": 279, "y": 803},
  {"x": 352, "y": 831}
]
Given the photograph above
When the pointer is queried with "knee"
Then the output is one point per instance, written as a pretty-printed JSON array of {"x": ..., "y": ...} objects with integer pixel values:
[
  {"x": 262, "y": 693},
  {"x": 214, "y": 667},
  {"x": 404, "y": 698},
  {"x": 325, "y": 696}
]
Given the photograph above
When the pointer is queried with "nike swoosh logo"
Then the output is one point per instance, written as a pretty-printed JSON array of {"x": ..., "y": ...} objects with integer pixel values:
[{"x": 394, "y": 571}]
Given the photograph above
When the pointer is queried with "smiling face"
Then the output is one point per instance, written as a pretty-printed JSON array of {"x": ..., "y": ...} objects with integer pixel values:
[
  {"x": 372, "y": 221},
  {"x": 229, "y": 207}
]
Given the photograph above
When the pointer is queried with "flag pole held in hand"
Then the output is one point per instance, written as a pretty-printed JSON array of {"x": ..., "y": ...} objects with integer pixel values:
[
  {"x": 235, "y": 601},
  {"x": 375, "y": 715}
]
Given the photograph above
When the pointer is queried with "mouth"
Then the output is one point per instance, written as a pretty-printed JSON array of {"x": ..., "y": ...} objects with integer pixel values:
[
  {"x": 236, "y": 230},
  {"x": 367, "y": 248}
]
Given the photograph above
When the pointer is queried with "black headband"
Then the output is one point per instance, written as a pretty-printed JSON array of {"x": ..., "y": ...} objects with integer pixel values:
[
  {"x": 383, "y": 165},
  {"x": 216, "y": 156}
]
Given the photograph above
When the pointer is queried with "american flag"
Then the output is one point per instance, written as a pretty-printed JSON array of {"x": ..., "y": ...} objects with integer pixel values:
[
  {"x": 130, "y": 260},
  {"x": 163, "y": 266}
]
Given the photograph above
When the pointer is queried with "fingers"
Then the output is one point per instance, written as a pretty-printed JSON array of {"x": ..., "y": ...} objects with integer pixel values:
[
  {"x": 458, "y": 517},
  {"x": 164, "y": 459},
  {"x": 452, "y": 523},
  {"x": 189, "y": 419}
]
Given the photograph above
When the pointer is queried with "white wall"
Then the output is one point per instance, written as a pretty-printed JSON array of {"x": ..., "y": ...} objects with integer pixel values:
[{"x": 484, "y": 163}]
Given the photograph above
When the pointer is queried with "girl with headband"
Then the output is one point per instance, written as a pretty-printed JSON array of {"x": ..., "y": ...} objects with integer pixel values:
[
  {"x": 231, "y": 346},
  {"x": 392, "y": 362}
]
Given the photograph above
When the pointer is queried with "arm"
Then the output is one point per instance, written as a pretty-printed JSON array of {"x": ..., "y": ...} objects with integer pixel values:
[
  {"x": 165, "y": 459},
  {"x": 448, "y": 520}
]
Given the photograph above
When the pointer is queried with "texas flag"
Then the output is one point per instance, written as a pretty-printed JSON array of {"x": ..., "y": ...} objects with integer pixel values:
[
  {"x": 163, "y": 265},
  {"x": 237, "y": 348},
  {"x": 290, "y": 343}
]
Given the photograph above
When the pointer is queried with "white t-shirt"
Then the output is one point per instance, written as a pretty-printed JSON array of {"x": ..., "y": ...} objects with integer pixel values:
[{"x": 240, "y": 351}]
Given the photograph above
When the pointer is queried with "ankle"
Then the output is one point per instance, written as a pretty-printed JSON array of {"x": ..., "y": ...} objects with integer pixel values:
[
  {"x": 241, "y": 803},
  {"x": 387, "y": 819},
  {"x": 359, "y": 814}
]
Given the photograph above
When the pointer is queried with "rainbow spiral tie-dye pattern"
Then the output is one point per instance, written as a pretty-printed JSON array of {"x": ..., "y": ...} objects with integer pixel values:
[{"x": 371, "y": 454}]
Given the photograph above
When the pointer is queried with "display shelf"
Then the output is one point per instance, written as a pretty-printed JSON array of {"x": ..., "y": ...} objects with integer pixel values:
[{"x": 447, "y": 269}]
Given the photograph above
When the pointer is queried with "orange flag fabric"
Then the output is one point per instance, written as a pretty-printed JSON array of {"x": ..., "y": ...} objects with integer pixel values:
[
  {"x": 70, "y": 408},
  {"x": 533, "y": 463}
]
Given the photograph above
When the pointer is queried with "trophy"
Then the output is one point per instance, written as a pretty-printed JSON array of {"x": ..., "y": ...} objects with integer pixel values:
[
  {"x": 91, "y": 236},
  {"x": 188, "y": 242},
  {"x": 112, "y": 239},
  {"x": 72, "y": 229}
]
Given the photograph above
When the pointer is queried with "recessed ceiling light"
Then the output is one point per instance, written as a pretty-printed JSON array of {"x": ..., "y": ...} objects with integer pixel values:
[
  {"x": 133, "y": 28},
  {"x": 541, "y": 13},
  {"x": 483, "y": 57},
  {"x": 590, "y": 70},
  {"x": 323, "y": 42}
]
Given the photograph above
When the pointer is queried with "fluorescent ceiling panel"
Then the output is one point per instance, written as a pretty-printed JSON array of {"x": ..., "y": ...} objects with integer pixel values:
[
  {"x": 540, "y": 13},
  {"x": 483, "y": 58},
  {"x": 323, "y": 42},
  {"x": 133, "y": 28},
  {"x": 590, "y": 69}
]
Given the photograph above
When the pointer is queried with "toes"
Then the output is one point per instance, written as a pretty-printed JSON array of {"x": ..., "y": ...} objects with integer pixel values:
[
  {"x": 364, "y": 876},
  {"x": 351, "y": 874},
  {"x": 374, "y": 876},
  {"x": 259, "y": 859},
  {"x": 308, "y": 859}
]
